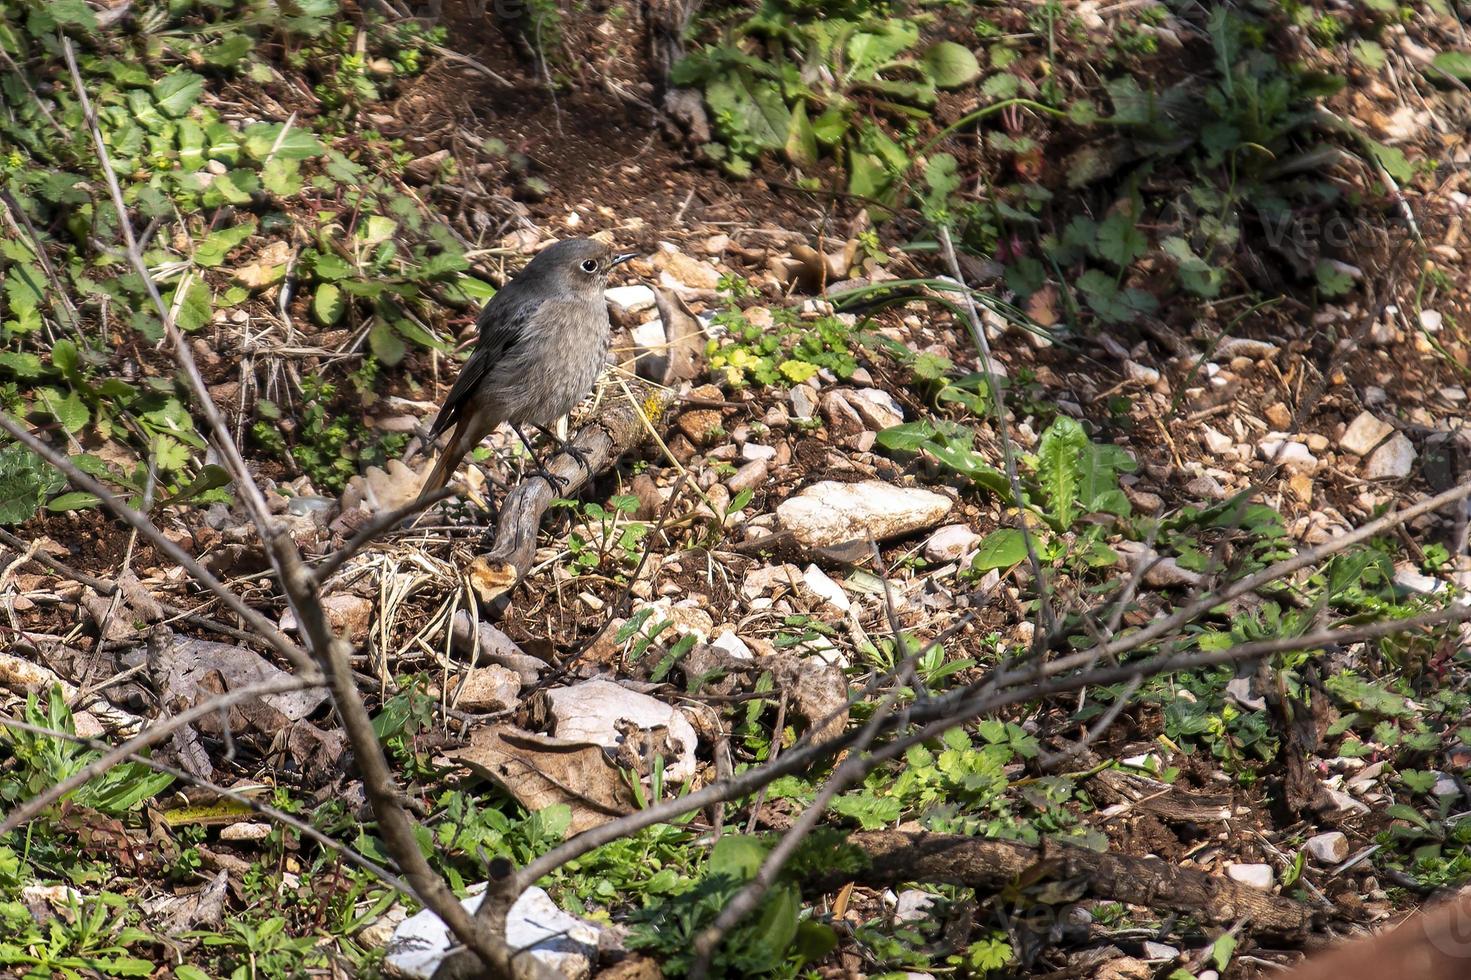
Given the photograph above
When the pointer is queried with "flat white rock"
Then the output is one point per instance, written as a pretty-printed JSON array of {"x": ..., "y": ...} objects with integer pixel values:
[
  {"x": 630, "y": 299},
  {"x": 1392, "y": 460},
  {"x": 591, "y": 711},
  {"x": 1259, "y": 876},
  {"x": 829, "y": 513},
  {"x": 1364, "y": 433},
  {"x": 950, "y": 543},
  {"x": 550, "y": 942},
  {"x": 830, "y": 592},
  {"x": 1329, "y": 848}
]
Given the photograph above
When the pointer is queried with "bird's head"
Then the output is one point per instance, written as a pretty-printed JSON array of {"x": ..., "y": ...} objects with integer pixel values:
[{"x": 576, "y": 264}]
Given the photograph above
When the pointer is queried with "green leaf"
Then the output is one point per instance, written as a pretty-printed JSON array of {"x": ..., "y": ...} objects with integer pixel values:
[
  {"x": 21, "y": 364},
  {"x": 951, "y": 65},
  {"x": 217, "y": 244},
  {"x": 25, "y": 481},
  {"x": 1393, "y": 160},
  {"x": 195, "y": 309},
  {"x": 376, "y": 230},
  {"x": 327, "y": 304},
  {"x": 1000, "y": 549},
  {"x": 177, "y": 93},
  {"x": 211, "y": 477},
  {"x": 870, "y": 50},
  {"x": 748, "y": 107},
  {"x": 71, "y": 13},
  {"x": 385, "y": 342},
  {"x": 1119, "y": 241},
  {"x": 737, "y": 856},
  {"x": 1456, "y": 64},
  {"x": 261, "y": 139},
  {"x": 1370, "y": 54},
  {"x": 1332, "y": 281},
  {"x": 801, "y": 144},
  {"x": 76, "y": 500},
  {"x": 1058, "y": 468},
  {"x": 66, "y": 407},
  {"x": 23, "y": 288},
  {"x": 868, "y": 178}
]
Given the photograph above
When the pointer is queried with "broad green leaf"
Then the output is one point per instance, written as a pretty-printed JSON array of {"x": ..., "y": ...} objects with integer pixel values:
[
  {"x": 1393, "y": 160},
  {"x": 21, "y": 364},
  {"x": 737, "y": 856},
  {"x": 23, "y": 288},
  {"x": 1002, "y": 548},
  {"x": 25, "y": 481},
  {"x": 951, "y": 65},
  {"x": 195, "y": 307},
  {"x": 266, "y": 140},
  {"x": 64, "y": 406},
  {"x": 327, "y": 304},
  {"x": 178, "y": 92},
  {"x": 377, "y": 229},
  {"x": 749, "y": 107},
  {"x": 868, "y": 51},
  {"x": 385, "y": 342},
  {"x": 217, "y": 244},
  {"x": 801, "y": 141},
  {"x": 1058, "y": 468},
  {"x": 211, "y": 477},
  {"x": 76, "y": 500},
  {"x": 1457, "y": 64},
  {"x": 1119, "y": 241}
]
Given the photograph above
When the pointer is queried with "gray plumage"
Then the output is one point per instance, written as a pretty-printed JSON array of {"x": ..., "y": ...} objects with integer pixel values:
[{"x": 543, "y": 343}]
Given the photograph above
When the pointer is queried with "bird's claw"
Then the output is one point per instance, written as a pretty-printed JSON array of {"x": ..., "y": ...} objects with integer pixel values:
[
  {"x": 579, "y": 454},
  {"x": 557, "y": 483}
]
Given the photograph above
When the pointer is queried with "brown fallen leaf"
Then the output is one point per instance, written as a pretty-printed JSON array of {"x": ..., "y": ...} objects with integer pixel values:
[
  {"x": 540, "y": 771},
  {"x": 1042, "y": 306}
]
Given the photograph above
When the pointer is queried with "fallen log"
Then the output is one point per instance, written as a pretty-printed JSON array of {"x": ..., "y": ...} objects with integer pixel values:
[
  {"x": 896, "y": 857},
  {"x": 620, "y": 426}
]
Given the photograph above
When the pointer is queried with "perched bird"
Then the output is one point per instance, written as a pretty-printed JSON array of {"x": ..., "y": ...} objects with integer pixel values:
[{"x": 543, "y": 343}]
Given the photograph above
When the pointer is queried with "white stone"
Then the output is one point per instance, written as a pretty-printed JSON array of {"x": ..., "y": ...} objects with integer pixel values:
[
  {"x": 488, "y": 688},
  {"x": 1392, "y": 460},
  {"x": 1259, "y": 876},
  {"x": 628, "y": 300},
  {"x": 1217, "y": 442},
  {"x": 820, "y": 585},
  {"x": 1233, "y": 347},
  {"x": 245, "y": 832},
  {"x": 1138, "y": 372},
  {"x": 591, "y": 712},
  {"x": 913, "y": 905},
  {"x": 878, "y": 409},
  {"x": 804, "y": 401},
  {"x": 1344, "y": 802},
  {"x": 754, "y": 452},
  {"x": 1278, "y": 449},
  {"x": 1160, "y": 951},
  {"x": 1329, "y": 848},
  {"x": 733, "y": 645},
  {"x": 830, "y": 513},
  {"x": 1431, "y": 321},
  {"x": 1364, "y": 433},
  {"x": 1411, "y": 579},
  {"x": 1445, "y": 786},
  {"x": 549, "y": 942},
  {"x": 950, "y": 543}
]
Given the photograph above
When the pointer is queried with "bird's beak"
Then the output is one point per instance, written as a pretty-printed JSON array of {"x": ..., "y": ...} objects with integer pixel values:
[{"x": 620, "y": 259}]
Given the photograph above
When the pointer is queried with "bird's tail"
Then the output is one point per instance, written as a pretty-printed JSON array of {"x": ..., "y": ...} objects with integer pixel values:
[{"x": 448, "y": 461}]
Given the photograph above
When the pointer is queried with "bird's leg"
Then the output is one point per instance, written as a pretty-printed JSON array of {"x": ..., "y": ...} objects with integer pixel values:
[
  {"x": 558, "y": 485},
  {"x": 576, "y": 452}
]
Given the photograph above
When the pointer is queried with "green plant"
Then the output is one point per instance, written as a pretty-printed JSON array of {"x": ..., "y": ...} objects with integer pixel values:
[
  {"x": 93, "y": 940},
  {"x": 42, "y": 761},
  {"x": 789, "y": 352},
  {"x": 775, "y": 940}
]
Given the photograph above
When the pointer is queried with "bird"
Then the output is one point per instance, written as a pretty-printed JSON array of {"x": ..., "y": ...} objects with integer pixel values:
[{"x": 543, "y": 343}]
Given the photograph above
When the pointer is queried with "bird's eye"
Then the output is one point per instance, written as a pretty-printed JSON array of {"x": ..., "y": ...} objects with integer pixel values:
[{"x": 589, "y": 266}]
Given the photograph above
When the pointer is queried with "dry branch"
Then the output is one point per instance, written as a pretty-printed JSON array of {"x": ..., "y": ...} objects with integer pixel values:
[
  {"x": 897, "y": 856},
  {"x": 618, "y": 428}
]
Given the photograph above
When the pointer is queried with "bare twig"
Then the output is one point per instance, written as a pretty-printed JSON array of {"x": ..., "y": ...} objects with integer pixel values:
[
  {"x": 264, "y": 809},
  {"x": 378, "y": 525},
  {"x": 158, "y": 731},
  {"x": 1008, "y": 456}
]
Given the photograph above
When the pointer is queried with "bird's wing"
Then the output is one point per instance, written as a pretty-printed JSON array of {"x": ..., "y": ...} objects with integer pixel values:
[{"x": 502, "y": 327}]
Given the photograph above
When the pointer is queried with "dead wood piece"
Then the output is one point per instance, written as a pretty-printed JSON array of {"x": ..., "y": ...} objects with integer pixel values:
[
  {"x": 619, "y": 427},
  {"x": 899, "y": 856},
  {"x": 1164, "y": 800}
]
